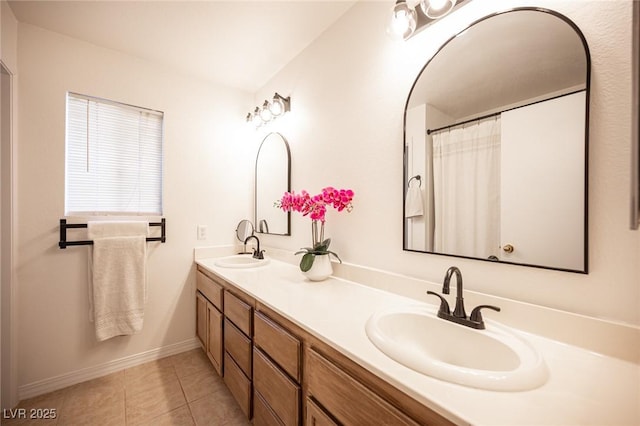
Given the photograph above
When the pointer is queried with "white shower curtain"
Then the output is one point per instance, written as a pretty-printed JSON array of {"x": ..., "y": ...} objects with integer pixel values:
[{"x": 466, "y": 166}]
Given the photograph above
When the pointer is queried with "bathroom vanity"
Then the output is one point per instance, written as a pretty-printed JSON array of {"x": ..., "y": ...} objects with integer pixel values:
[
  {"x": 280, "y": 373},
  {"x": 296, "y": 352}
]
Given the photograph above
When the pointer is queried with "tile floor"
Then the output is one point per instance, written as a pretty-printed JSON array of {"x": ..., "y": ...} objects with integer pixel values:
[{"x": 179, "y": 390}]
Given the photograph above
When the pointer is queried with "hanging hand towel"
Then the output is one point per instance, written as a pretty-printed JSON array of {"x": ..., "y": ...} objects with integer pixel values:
[
  {"x": 413, "y": 206},
  {"x": 117, "y": 277}
]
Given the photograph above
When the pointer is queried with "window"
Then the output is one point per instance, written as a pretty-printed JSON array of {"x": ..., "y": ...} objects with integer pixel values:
[{"x": 113, "y": 158}]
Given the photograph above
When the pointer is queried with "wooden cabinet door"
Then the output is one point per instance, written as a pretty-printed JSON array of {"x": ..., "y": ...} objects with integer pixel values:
[
  {"x": 214, "y": 337},
  {"x": 209, "y": 289},
  {"x": 201, "y": 319},
  {"x": 279, "y": 392},
  {"x": 348, "y": 400},
  {"x": 239, "y": 385},
  {"x": 277, "y": 342},
  {"x": 239, "y": 312}
]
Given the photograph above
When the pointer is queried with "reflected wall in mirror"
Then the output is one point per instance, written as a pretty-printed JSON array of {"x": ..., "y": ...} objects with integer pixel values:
[
  {"x": 272, "y": 180},
  {"x": 496, "y": 127}
]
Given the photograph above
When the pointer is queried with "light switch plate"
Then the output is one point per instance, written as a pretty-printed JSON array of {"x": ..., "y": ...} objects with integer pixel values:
[{"x": 202, "y": 232}]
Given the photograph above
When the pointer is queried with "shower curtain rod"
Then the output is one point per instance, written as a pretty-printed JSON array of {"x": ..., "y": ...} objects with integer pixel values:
[{"x": 429, "y": 131}]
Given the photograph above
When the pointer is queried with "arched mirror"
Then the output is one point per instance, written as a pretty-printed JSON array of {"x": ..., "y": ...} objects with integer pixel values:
[
  {"x": 273, "y": 179},
  {"x": 495, "y": 144}
]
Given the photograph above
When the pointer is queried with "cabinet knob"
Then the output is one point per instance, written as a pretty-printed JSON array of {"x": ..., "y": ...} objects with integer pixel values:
[{"x": 508, "y": 248}]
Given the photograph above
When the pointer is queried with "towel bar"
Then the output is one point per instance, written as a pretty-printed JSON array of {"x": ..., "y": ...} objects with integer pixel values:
[{"x": 63, "y": 244}]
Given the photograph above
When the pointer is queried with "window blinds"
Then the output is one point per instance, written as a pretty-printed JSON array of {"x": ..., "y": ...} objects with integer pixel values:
[{"x": 113, "y": 158}]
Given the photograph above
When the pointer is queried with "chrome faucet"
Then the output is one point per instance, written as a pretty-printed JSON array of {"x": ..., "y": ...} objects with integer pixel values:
[
  {"x": 257, "y": 253},
  {"x": 459, "y": 315}
]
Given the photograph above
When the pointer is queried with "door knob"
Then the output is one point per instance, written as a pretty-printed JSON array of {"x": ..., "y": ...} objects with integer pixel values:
[{"x": 508, "y": 248}]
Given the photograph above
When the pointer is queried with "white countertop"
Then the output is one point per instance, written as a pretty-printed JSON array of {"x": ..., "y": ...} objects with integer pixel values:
[{"x": 584, "y": 388}]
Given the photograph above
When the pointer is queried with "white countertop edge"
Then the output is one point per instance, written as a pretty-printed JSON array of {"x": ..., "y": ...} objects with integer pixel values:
[{"x": 576, "y": 382}]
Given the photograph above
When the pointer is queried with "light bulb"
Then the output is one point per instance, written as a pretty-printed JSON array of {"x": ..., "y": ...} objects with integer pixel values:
[
  {"x": 265, "y": 112},
  {"x": 403, "y": 21},
  {"x": 256, "y": 120},
  {"x": 435, "y": 9},
  {"x": 280, "y": 105},
  {"x": 277, "y": 107}
]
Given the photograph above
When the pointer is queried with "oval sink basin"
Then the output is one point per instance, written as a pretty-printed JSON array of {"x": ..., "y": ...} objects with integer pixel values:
[
  {"x": 493, "y": 359},
  {"x": 240, "y": 261}
]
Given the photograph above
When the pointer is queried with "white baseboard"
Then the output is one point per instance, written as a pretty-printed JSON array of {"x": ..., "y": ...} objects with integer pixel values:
[{"x": 62, "y": 381}]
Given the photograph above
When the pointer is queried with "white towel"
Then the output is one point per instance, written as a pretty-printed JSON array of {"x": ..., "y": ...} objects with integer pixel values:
[
  {"x": 118, "y": 268},
  {"x": 413, "y": 205}
]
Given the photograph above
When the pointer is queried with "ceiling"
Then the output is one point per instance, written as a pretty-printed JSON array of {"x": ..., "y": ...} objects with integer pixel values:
[{"x": 240, "y": 44}]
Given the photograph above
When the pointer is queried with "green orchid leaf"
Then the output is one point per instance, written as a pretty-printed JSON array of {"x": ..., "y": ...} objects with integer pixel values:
[
  {"x": 336, "y": 256},
  {"x": 307, "y": 262}
]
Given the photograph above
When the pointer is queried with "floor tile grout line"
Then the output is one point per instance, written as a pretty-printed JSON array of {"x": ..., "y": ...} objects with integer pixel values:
[{"x": 188, "y": 362}]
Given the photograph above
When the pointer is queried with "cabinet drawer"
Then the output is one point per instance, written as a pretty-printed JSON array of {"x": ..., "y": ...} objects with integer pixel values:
[
  {"x": 210, "y": 289},
  {"x": 238, "y": 312},
  {"x": 316, "y": 416},
  {"x": 238, "y": 384},
  {"x": 279, "y": 344},
  {"x": 262, "y": 414},
  {"x": 350, "y": 402},
  {"x": 278, "y": 391},
  {"x": 238, "y": 346},
  {"x": 214, "y": 339}
]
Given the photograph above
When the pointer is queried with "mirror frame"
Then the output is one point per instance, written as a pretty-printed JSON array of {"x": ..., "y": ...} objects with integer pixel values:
[
  {"x": 405, "y": 176},
  {"x": 255, "y": 187}
]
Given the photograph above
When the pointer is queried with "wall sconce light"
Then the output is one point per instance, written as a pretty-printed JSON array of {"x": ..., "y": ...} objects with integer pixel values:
[
  {"x": 270, "y": 110},
  {"x": 407, "y": 21},
  {"x": 403, "y": 20}
]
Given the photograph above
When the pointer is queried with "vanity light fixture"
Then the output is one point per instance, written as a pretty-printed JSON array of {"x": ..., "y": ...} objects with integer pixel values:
[
  {"x": 435, "y": 9},
  {"x": 407, "y": 20},
  {"x": 265, "y": 112},
  {"x": 256, "y": 120},
  {"x": 270, "y": 110},
  {"x": 280, "y": 105},
  {"x": 403, "y": 20}
]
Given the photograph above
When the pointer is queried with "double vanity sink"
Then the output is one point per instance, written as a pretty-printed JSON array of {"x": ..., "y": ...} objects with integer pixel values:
[
  {"x": 498, "y": 375},
  {"x": 494, "y": 359}
]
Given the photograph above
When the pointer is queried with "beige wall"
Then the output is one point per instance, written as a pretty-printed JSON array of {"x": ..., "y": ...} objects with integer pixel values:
[
  {"x": 207, "y": 178},
  {"x": 349, "y": 90}
]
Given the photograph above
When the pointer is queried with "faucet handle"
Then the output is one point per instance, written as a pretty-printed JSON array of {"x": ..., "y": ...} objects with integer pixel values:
[
  {"x": 258, "y": 254},
  {"x": 444, "y": 306},
  {"x": 476, "y": 315}
]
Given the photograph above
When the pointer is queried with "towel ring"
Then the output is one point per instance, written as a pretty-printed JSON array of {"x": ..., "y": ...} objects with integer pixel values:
[{"x": 416, "y": 177}]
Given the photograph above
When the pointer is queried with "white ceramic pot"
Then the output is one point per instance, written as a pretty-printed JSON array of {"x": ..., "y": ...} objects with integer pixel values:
[{"x": 321, "y": 268}]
